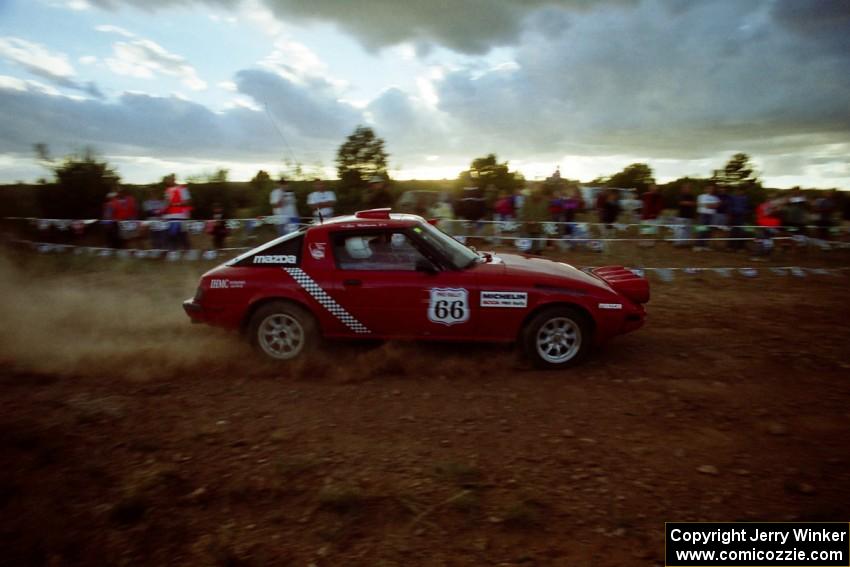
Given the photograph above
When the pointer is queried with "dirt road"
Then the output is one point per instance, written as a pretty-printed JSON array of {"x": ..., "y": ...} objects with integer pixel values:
[{"x": 130, "y": 437}]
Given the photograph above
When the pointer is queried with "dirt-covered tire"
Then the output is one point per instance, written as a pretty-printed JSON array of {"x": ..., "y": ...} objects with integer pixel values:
[
  {"x": 283, "y": 331},
  {"x": 558, "y": 337}
]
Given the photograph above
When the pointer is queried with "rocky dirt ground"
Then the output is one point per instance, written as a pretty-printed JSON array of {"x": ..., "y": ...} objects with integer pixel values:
[{"x": 128, "y": 436}]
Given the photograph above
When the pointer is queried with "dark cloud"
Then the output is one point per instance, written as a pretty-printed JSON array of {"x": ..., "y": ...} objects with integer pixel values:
[
  {"x": 467, "y": 26},
  {"x": 675, "y": 85}
]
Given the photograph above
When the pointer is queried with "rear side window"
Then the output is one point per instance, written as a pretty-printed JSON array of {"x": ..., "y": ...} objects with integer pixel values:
[
  {"x": 375, "y": 251},
  {"x": 286, "y": 253}
]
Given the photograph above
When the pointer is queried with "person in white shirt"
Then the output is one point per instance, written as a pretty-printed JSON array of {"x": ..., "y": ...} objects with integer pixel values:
[
  {"x": 284, "y": 208},
  {"x": 707, "y": 204},
  {"x": 321, "y": 202}
]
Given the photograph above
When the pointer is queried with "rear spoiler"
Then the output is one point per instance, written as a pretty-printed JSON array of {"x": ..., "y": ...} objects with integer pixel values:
[{"x": 624, "y": 281}]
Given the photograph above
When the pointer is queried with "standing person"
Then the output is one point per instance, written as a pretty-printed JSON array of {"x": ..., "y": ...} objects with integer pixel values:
[
  {"x": 739, "y": 215},
  {"x": 797, "y": 211},
  {"x": 178, "y": 208},
  {"x": 377, "y": 196},
  {"x": 284, "y": 208},
  {"x": 571, "y": 205},
  {"x": 824, "y": 210},
  {"x": 651, "y": 206},
  {"x": 721, "y": 213},
  {"x": 217, "y": 227},
  {"x": 124, "y": 209},
  {"x": 611, "y": 209},
  {"x": 152, "y": 207},
  {"x": 707, "y": 204},
  {"x": 113, "y": 237},
  {"x": 687, "y": 214},
  {"x": 769, "y": 220},
  {"x": 321, "y": 201},
  {"x": 535, "y": 211},
  {"x": 601, "y": 199}
]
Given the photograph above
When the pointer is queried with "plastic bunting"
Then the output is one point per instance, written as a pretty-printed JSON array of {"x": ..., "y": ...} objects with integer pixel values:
[
  {"x": 523, "y": 244},
  {"x": 461, "y": 239},
  {"x": 723, "y": 272},
  {"x": 665, "y": 274},
  {"x": 798, "y": 272},
  {"x": 748, "y": 272},
  {"x": 779, "y": 271}
]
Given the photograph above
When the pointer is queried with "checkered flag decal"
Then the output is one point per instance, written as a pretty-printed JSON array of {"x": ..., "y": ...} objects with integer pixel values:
[{"x": 326, "y": 301}]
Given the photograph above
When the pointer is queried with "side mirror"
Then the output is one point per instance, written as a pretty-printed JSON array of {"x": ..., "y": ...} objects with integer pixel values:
[{"x": 425, "y": 265}]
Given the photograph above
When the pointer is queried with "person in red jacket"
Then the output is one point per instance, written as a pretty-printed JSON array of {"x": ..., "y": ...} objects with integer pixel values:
[
  {"x": 652, "y": 205},
  {"x": 178, "y": 208}
]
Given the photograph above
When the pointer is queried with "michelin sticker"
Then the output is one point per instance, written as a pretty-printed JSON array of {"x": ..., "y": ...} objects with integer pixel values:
[
  {"x": 448, "y": 306},
  {"x": 504, "y": 299},
  {"x": 610, "y": 306},
  {"x": 275, "y": 259}
]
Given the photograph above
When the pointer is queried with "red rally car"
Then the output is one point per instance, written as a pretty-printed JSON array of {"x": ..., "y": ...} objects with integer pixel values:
[{"x": 378, "y": 275}]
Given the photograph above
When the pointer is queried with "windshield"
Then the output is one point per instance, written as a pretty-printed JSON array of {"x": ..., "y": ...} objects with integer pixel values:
[{"x": 459, "y": 255}]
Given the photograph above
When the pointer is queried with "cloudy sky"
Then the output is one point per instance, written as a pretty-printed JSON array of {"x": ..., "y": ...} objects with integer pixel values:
[{"x": 191, "y": 86}]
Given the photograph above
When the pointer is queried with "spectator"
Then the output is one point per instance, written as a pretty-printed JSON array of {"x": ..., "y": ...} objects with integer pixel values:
[
  {"x": 706, "y": 206},
  {"x": 178, "y": 208},
  {"x": 721, "y": 213},
  {"x": 377, "y": 196},
  {"x": 113, "y": 238},
  {"x": 217, "y": 228},
  {"x": 769, "y": 220},
  {"x": 125, "y": 209},
  {"x": 739, "y": 214},
  {"x": 504, "y": 209},
  {"x": 687, "y": 214},
  {"x": 651, "y": 206},
  {"x": 535, "y": 211},
  {"x": 152, "y": 208},
  {"x": 601, "y": 199},
  {"x": 442, "y": 211},
  {"x": 321, "y": 201},
  {"x": 284, "y": 208},
  {"x": 796, "y": 211},
  {"x": 824, "y": 210},
  {"x": 611, "y": 210},
  {"x": 572, "y": 204}
]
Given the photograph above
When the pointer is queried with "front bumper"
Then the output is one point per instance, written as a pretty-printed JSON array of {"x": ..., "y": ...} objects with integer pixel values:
[{"x": 194, "y": 311}]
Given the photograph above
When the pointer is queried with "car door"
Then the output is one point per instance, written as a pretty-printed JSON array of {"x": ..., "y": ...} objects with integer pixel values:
[{"x": 390, "y": 284}]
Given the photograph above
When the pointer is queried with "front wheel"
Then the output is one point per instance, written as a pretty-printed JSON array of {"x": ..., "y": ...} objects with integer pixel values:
[
  {"x": 283, "y": 331},
  {"x": 557, "y": 337}
]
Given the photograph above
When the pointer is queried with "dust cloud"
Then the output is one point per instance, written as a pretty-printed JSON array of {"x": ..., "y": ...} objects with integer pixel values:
[{"x": 108, "y": 321}]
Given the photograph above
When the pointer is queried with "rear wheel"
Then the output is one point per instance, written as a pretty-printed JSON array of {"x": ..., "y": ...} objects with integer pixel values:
[
  {"x": 557, "y": 337},
  {"x": 283, "y": 331}
]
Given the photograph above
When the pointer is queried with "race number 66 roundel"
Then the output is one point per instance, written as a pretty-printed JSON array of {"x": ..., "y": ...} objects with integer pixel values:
[{"x": 448, "y": 306}]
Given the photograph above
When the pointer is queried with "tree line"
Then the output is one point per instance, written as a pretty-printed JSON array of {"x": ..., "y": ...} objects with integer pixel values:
[{"x": 80, "y": 182}]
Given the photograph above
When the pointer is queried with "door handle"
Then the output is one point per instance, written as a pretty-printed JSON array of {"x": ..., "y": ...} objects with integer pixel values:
[{"x": 352, "y": 282}]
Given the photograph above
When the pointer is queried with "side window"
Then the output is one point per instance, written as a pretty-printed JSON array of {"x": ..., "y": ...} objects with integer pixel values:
[
  {"x": 375, "y": 250},
  {"x": 286, "y": 253}
]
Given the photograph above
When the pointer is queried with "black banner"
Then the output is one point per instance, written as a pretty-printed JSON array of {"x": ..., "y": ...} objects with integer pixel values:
[{"x": 757, "y": 544}]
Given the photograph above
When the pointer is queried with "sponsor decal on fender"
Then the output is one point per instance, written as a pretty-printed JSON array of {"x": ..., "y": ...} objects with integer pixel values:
[
  {"x": 504, "y": 299},
  {"x": 275, "y": 259},
  {"x": 227, "y": 284},
  {"x": 610, "y": 306}
]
